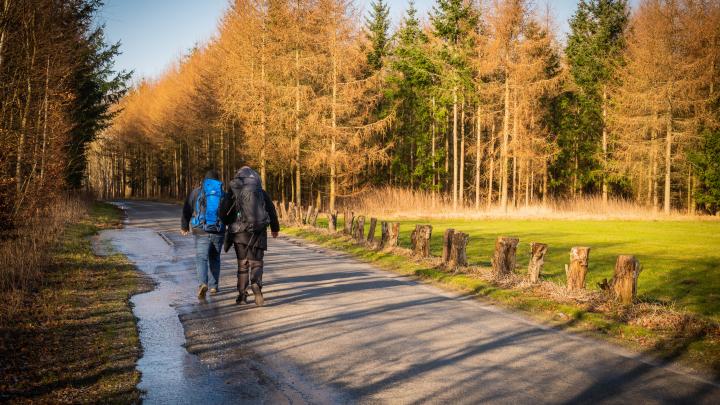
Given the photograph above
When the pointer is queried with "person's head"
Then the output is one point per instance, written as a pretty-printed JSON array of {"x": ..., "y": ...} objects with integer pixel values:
[{"x": 212, "y": 174}]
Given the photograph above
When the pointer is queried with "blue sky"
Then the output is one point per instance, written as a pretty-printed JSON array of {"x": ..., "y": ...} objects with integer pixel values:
[{"x": 156, "y": 32}]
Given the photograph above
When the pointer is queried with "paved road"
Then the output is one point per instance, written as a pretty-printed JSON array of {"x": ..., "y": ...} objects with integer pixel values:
[{"x": 335, "y": 330}]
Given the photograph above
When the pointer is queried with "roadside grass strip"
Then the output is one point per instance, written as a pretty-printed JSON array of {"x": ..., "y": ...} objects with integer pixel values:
[
  {"x": 77, "y": 340},
  {"x": 659, "y": 330}
]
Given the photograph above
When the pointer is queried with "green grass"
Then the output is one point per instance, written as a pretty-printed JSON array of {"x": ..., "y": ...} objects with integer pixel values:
[
  {"x": 680, "y": 259},
  {"x": 695, "y": 348},
  {"x": 75, "y": 339}
]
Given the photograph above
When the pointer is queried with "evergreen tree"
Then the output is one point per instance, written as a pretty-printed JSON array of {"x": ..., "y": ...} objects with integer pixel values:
[
  {"x": 411, "y": 80},
  {"x": 377, "y": 30},
  {"x": 594, "y": 47},
  {"x": 98, "y": 86},
  {"x": 454, "y": 22},
  {"x": 706, "y": 162}
]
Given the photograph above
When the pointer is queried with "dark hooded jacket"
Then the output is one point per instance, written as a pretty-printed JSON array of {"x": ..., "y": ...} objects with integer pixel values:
[{"x": 229, "y": 214}]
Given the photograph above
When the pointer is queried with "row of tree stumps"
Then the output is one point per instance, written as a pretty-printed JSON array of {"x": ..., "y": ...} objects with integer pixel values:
[{"x": 623, "y": 285}]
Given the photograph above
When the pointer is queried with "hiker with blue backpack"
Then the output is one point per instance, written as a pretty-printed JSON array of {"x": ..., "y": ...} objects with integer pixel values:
[
  {"x": 201, "y": 212},
  {"x": 248, "y": 212}
]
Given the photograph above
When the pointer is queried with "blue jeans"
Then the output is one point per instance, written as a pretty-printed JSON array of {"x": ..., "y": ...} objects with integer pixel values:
[{"x": 207, "y": 255}]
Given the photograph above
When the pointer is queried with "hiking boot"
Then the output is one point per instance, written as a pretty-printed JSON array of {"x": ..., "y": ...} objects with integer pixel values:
[
  {"x": 213, "y": 291},
  {"x": 201, "y": 291},
  {"x": 259, "y": 300},
  {"x": 241, "y": 299}
]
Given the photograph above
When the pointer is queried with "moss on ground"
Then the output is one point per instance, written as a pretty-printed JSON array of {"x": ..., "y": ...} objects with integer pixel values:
[{"x": 77, "y": 340}]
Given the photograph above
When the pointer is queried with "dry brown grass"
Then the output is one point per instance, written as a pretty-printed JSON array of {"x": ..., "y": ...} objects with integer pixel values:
[
  {"x": 24, "y": 251},
  {"x": 406, "y": 203}
]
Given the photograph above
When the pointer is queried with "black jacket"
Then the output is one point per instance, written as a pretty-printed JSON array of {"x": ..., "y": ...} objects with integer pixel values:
[
  {"x": 228, "y": 214},
  {"x": 189, "y": 209}
]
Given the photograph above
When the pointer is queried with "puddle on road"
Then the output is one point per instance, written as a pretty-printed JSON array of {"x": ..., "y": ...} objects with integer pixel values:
[{"x": 169, "y": 373}]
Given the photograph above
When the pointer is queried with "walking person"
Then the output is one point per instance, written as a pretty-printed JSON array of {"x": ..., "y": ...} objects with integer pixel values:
[
  {"x": 248, "y": 214},
  {"x": 201, "y": 212}
]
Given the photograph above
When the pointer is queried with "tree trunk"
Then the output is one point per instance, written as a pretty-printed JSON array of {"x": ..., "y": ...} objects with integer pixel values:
[
  {"x": 478, "y": 130},
  {"x": 455, "y": 150},
  {"x": 349, "y": 218},
  {"x": 668, "y": 160},
  {"x": 390, "y": 233},
  {"x": 447, "y": 244},
  {"x": 504, "y": 149},
  {"x": 434, "y": 170},
  {"x": 421, "y": 240},
  {"x": 491, "y": 169},
  {"x": 537, "y": 259},
  {"x": 504, "y": 260},
  {"x": 371, "y": 231},
  {"x": 458, "y": 255},
  {"x": 332, "y": 221},
  {"x": 359, "y": 233},
  {"x": 461, "y": 168},
  {"x": 604, "y": 148},
  {"x": 623, "y": 286},
  {"x": 576, "y": 272}
]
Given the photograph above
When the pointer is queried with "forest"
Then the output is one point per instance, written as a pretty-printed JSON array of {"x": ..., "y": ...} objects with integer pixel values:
[{"x": 480, "y": 104}]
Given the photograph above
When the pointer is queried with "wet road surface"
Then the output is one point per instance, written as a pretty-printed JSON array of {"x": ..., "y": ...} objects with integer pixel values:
[{"x": 335, "y": 330}]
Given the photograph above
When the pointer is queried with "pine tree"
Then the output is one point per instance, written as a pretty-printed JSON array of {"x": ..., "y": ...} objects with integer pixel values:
[
  {"x": 377, "y": 27},
  {"x": 594, "y": 47}
]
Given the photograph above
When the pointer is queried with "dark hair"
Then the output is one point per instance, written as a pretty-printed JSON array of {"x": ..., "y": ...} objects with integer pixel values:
[{"x": 212, "y": 174}]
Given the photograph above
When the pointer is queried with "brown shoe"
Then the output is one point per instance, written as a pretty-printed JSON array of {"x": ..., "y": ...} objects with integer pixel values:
[
  {"x": 201, "y": 291},
  {"x": 259, "y": 300}
]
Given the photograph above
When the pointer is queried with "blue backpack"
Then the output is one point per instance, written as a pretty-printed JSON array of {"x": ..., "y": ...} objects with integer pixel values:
[{"x": 207, "y": 205}]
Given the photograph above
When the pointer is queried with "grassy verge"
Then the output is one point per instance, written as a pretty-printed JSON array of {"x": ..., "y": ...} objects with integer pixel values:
[
  {"x": 685, "y": 338},
  {"x": 75, "y": 339}
]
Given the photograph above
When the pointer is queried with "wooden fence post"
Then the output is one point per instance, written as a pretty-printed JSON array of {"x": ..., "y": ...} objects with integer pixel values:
[
  {"x": 332, "y": 221},
  {"x": 576, "y": 272},
  {"x": 623, "y": 286},
  {"x": 537, "y": 259},
  {"x": 291, "y": 213},
  {"x": 277, "y": 210},
  {"x": 299, "y": 215},
  {"x": 504, "y": 260},
  {"x": 349, "y": 220},
  {"x": 447, "y": 244},
  {"x": 394, "y": 234},
  {"x": 371, "y": 231},
  {"x": 421, "y": 240},
  {"x": 458, "y": 255},
  {"x": 360, "y": 229}
]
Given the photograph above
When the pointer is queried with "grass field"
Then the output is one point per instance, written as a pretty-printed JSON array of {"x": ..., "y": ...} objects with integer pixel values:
[{"x": 680, "y": 259}]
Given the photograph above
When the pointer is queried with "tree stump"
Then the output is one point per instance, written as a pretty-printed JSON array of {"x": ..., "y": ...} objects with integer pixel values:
[
  {"x": 394, "y": 234},
  {"x": 577, "y": 270},
  {"x": 298, "y": 215},
  {"x": 447, "y": 244},
  {"x": 504, "y": 260},
  {"x": 458, "y": 256},
  {"x": 332, "y": 221},
  {"x": 384, "y": 234},
  {"x": 283, "y": 212},
  {"x": 349, "y": 220},
  {"x": 537, "y": 259},
  {"x": 371, "y": 231},
  {"x": 308, "y": 215},
  {"x": 290, "y": 218},
  {"x": 421, "y": 240},
  {"x": 623, "y": 286},
  {"x": 277, "y": 210},
  {"x": 359, "y": 234},
  {"x": 315, "y": 217}
]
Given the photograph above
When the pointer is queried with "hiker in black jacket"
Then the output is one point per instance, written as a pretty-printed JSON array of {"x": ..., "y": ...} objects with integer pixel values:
[{"x": 247, "y": 215}]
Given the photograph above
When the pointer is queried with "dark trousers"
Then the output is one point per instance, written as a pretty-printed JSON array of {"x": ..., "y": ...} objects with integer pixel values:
[{"x": 250, "y": 266}]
